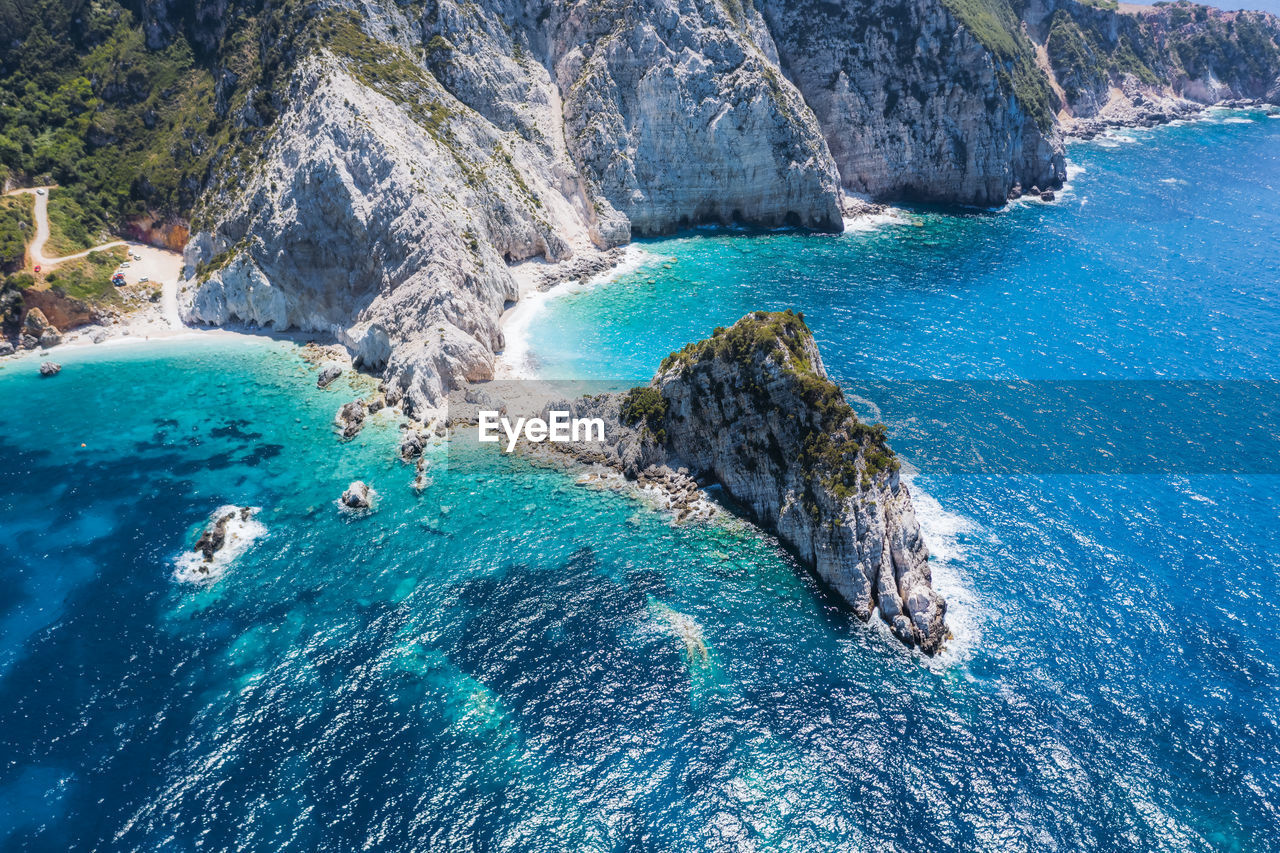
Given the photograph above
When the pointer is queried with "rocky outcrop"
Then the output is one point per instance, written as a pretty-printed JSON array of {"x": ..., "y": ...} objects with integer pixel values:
[
  {"x": 913, "y": 104},
  {"x": 60, "y": 311},
  {"x": 358, "y": 496},
  {"x": 1151, "y": 64},
  {"x": 214, "y": 537},
  {"x": 37, "y": 331},
  {"x": 350, "y": 419},
  {"x": 412, "y": 443},
  {"x": 751, "y": 409},
  {"x": 50, "y": 368},
  {"x": 328, "y": 373}
]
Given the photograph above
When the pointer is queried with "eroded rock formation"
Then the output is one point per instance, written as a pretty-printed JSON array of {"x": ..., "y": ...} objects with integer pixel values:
[
  {"x": 752, "y": 409},
  {"x": 407, "y": 154}
]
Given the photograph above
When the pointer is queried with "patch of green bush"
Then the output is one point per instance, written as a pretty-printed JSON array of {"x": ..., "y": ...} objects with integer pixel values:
[
  {"x": 646, "y": 405},
  {"x": 89, "y": 278},
  {"x": 15, "y": 230}
]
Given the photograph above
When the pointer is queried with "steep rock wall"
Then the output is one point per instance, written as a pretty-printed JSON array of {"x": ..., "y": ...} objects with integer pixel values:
[
  {"x": 912, "y": 103},
  {"x": 388, "y": 222},
  {"x": 1119, "y": 62}
]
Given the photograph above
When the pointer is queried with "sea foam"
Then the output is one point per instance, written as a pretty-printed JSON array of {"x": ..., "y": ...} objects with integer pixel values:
[
  {"x": 943, "y": 532},
  {"x": 241, "y": 533}
]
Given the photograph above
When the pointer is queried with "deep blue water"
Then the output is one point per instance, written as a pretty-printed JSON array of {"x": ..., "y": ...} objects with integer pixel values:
[{"x": 497, "y": 664}]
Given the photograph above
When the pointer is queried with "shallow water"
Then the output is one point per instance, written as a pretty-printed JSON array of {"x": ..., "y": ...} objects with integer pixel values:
[{"x": 514, "y": 662}]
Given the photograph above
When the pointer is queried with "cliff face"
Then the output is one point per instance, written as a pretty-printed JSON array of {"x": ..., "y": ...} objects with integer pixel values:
[
  {"x": 913, "y": 104},
  {"x": 679, "y": 113},
  {"x": 386, "y": 217},
  {"x": 415, "y": 156},
  {"x": 751, "y": 409},
  {"x": 390, "y": 162},
  {"x": 1153, "y": 61}
]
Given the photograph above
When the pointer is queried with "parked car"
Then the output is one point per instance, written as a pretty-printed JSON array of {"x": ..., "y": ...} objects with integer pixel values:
[
  {"x": 40, "y": 191},
  {"x": 144, "y": 279}
]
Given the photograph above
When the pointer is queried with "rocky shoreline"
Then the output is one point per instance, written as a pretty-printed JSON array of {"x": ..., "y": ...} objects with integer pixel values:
[{"x": 1145, "y": 113}]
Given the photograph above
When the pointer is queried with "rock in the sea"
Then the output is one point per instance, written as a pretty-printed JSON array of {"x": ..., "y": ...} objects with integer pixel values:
[
  {"x": 357, "y": 496},
  {"x": 1047, "y": 195},
  {"x": 214, "y": 537},
  {"x": 328, "y": 373},
  {"x": 350, "y": 419},
  {"x": 421, "y": 479},
  {"x": 50, "y": 368},
  {"x": 412, "y": 442},
  {"x": 751, "y": 408}
]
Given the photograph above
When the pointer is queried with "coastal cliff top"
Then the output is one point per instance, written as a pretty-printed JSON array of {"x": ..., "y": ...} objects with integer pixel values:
[{"x": 776, "y": 362}]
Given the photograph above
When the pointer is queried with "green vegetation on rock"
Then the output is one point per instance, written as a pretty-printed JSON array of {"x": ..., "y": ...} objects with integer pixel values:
[
  {"x": 1082, "y": 57},
  {"x": 645, "y": 404},
  {"x": 837, "y": 449},
  {"x": 84, "y": 104},
  {"x": 128, "y": 130},
  {"x": 15, "y": 230},
  {"x": 996, "y": 25}
]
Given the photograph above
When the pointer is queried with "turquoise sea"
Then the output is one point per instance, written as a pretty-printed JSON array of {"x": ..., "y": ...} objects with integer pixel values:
[{"x": 511, "y": 661}]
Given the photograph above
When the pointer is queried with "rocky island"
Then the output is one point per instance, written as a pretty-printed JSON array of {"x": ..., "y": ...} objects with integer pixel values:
[{"x": 752, "y": 410}]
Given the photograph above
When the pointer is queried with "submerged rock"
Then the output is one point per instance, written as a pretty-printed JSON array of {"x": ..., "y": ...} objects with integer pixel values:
[
  {"x": 350, "y": 419},
  {"x": 421, "y": 479},
  {"x": 357, "y": 496},
  {"x": 50, "y": 368},
  {"x": 328, "y": 373}
]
